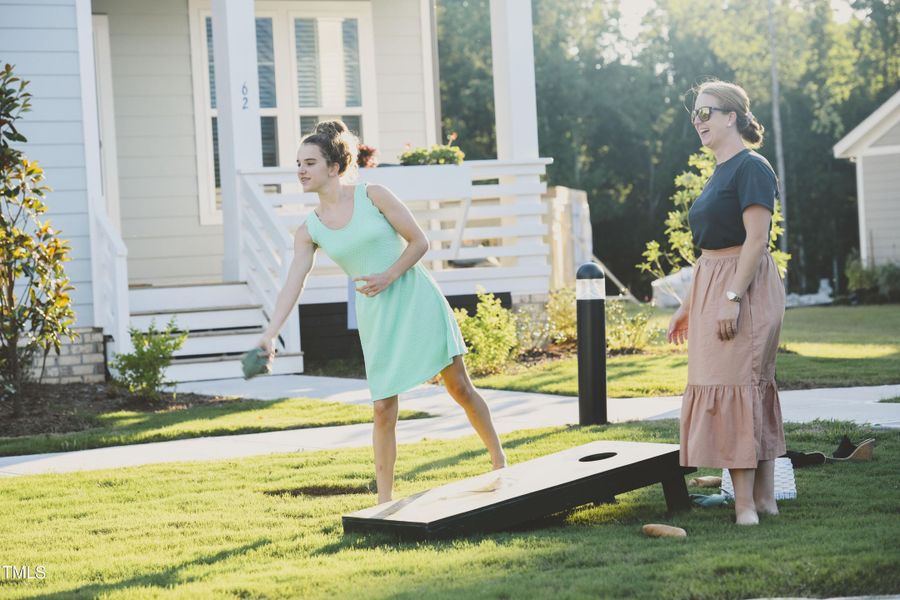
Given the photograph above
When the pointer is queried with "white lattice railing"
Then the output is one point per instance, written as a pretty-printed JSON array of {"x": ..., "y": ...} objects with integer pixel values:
[
  {"x": 111, "y": 291},
  {"x": 484, "y": 220}
]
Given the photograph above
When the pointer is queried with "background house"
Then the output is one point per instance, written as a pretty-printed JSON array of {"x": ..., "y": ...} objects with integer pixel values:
[{"x": 874, "y": 145}]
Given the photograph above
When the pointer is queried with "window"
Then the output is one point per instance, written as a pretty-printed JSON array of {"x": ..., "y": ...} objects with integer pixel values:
[{"x": 314, "y": 62}]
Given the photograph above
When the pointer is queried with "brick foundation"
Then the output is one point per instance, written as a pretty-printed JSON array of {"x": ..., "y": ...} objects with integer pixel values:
[{"x": 80, "y": 361}]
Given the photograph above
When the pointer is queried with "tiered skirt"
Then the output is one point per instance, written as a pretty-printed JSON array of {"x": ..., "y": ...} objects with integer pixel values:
[{"x": 730, "y": 413}]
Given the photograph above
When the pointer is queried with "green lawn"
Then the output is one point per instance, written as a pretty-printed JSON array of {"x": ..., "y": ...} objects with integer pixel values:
[
  {"x": 244, "y": 528},
  {"x": 825, "y": 347},
  {"x": 236, "y": 416}
]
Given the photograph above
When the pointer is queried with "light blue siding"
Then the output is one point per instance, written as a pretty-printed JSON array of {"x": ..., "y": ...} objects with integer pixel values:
[
  {"x": 43, "y": 63},
  {"x": 24, "y": 40},
  {"x": 40, "y": 38},
  {"x": 41, "y": 128},
  {"x": 59, "y": 86},
  {"x": 39, "y": 19},
  {"x": 58, "y": 155}
]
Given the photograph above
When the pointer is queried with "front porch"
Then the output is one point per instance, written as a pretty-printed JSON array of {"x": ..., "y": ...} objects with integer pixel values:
[{"x": 486, "y": 220}]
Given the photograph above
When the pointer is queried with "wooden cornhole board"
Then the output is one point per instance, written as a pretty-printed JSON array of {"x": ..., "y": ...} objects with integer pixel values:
[{"x": 594, "y": 472}]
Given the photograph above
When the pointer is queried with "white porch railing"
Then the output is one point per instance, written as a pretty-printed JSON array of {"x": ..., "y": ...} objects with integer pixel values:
[
  {"x": 111, "y": 301},
  {"x": 483, "y": 220}
]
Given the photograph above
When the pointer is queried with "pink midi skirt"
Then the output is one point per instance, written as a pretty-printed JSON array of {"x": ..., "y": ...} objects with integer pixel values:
[{"x": 730, "y": 413}]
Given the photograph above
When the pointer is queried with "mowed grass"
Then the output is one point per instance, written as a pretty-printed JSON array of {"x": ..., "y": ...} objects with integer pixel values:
[
  {"x": 243, "y": 528},
  {"x": 230, "y": 417},
  {"x": 824, "y": 347}
]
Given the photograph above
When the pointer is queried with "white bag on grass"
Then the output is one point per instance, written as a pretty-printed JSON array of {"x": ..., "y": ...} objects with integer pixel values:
[{"x": 785, "y": 486}]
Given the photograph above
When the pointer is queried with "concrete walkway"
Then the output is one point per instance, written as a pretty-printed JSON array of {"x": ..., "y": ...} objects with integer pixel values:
[{"x": 512, "y": 411}]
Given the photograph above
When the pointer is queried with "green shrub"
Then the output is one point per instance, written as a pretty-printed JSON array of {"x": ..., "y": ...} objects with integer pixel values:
[
  {"x": 625, "y": 332},
  {"x": 141, "y": 371},
  {"x": 629, "y": 333},
  {"x": 562, "y": 316},
  {"x": 872, "y": 284},
  {"x": 532, "y": 329},
  {"x": 490, "y": 334},
  {"x": 888, "y": 279},
  {"x": 439, "y": 154},
  {"x": 859, "y": 277},
  {"x": 436, "y": 155},
  {"x": 35, "y": 306}
]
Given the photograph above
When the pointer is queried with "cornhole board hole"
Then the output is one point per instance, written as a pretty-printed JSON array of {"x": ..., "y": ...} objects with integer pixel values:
[{"x": 594, "y": 472}]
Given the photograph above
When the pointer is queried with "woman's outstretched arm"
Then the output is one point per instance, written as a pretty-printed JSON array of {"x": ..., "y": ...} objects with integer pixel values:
[{"x": 304, "y": 257}]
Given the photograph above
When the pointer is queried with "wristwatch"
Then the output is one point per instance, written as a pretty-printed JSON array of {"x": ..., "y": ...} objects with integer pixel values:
[{"x": 732, "y": 297}]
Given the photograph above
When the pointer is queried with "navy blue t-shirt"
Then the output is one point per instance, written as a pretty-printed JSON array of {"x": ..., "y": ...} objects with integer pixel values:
[{"x": 716, "y": 217}]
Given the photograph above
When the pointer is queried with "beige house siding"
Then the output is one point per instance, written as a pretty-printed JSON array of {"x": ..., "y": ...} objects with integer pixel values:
[
  {"x": 881, "y": 189},
  {"x": 40, "y": 38},
  {"x": 891, "y": 138},
  {"x": 153, "y": 95},
  {"x": 153, "y": 89},
  {"x": 400, "y": 76}
]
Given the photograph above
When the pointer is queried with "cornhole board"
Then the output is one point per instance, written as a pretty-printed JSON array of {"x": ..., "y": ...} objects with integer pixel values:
[{"x": 594, "y": 472}]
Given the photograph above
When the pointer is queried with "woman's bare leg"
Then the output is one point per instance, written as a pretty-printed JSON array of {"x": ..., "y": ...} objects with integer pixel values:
[
  {"x": 384, "y": 442},
  {"x": 460, "y": 387},
  {"x": 744, "y": 507},
  {"x": 764, "y": 488}
]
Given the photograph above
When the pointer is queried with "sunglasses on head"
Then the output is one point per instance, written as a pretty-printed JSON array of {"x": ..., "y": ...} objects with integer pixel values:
[{"x": 705, "y": 112}]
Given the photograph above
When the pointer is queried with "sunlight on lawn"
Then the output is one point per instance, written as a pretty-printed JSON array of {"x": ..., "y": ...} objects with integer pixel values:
[{"x": 843, "y": 350}]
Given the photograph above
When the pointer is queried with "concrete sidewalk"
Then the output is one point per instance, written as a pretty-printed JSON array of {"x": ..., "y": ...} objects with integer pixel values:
[{"x": 511, "y": 411}]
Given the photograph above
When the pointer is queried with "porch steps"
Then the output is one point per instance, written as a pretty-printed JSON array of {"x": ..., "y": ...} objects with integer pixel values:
[{"x": 222, "y": 322}]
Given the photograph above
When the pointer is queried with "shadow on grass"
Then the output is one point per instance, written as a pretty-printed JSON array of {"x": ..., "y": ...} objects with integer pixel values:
[{"x": 165, "y": 579}]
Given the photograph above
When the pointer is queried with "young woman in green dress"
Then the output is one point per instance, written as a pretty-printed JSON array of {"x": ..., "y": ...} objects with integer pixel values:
[{"x": 406, "y": 328}]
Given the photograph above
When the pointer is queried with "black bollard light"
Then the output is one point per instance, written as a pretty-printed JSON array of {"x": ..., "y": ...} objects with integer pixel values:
[{"x": 590, "y": 300}]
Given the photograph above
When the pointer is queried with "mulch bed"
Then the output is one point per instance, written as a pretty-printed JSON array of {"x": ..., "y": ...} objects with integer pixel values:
[
  {"x": 74, "y": 406},
  {"x": 551, "y": 352}
]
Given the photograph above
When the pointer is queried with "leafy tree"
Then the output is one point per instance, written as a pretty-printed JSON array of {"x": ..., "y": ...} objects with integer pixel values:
[
  {"x": 466, "y": 76},
  {"x": 610, "y": 110},
  {"x": 35, "y": 308}
]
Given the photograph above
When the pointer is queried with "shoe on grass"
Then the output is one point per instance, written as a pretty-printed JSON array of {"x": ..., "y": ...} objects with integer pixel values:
[
  {"x": 805, "y": 459},
  {"x": 847, "y": 450}
]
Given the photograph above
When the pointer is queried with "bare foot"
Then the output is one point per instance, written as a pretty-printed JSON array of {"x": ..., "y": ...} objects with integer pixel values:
[
  {"x": 765, "y": 509},
  {"x": 746, "y": 516},
  {"x": 500, "y": 463}
]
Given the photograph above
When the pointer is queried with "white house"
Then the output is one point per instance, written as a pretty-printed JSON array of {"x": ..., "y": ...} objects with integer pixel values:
[
  {"x": 168, "y": 132},
  {"x": 874, "y": 145}
]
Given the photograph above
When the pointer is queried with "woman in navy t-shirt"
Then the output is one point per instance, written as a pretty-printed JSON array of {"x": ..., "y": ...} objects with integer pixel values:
[{"x": 730, "y": 414}]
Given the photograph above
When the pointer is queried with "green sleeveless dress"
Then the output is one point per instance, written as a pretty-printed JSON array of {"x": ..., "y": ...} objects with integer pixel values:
[{"x": 408, "y": 332}]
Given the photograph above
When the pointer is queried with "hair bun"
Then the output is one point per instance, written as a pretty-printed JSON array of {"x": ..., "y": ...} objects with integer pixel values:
[
  {"x": 332, "y": 129},
  {"x": 337, "y": 143}
]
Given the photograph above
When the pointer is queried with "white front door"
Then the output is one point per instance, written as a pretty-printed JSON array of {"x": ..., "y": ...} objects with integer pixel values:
[{"x": 108, "y": 163}]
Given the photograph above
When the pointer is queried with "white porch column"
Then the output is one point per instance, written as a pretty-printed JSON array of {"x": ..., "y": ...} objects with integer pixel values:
[
  {"x": 515, "y": 108},
  {"x": 237, "y": 101},
  {"x": 515, "y": 100}
]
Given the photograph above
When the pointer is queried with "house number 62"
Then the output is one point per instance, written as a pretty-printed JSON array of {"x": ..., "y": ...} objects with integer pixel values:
[{"x": 245, "y": 102}]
